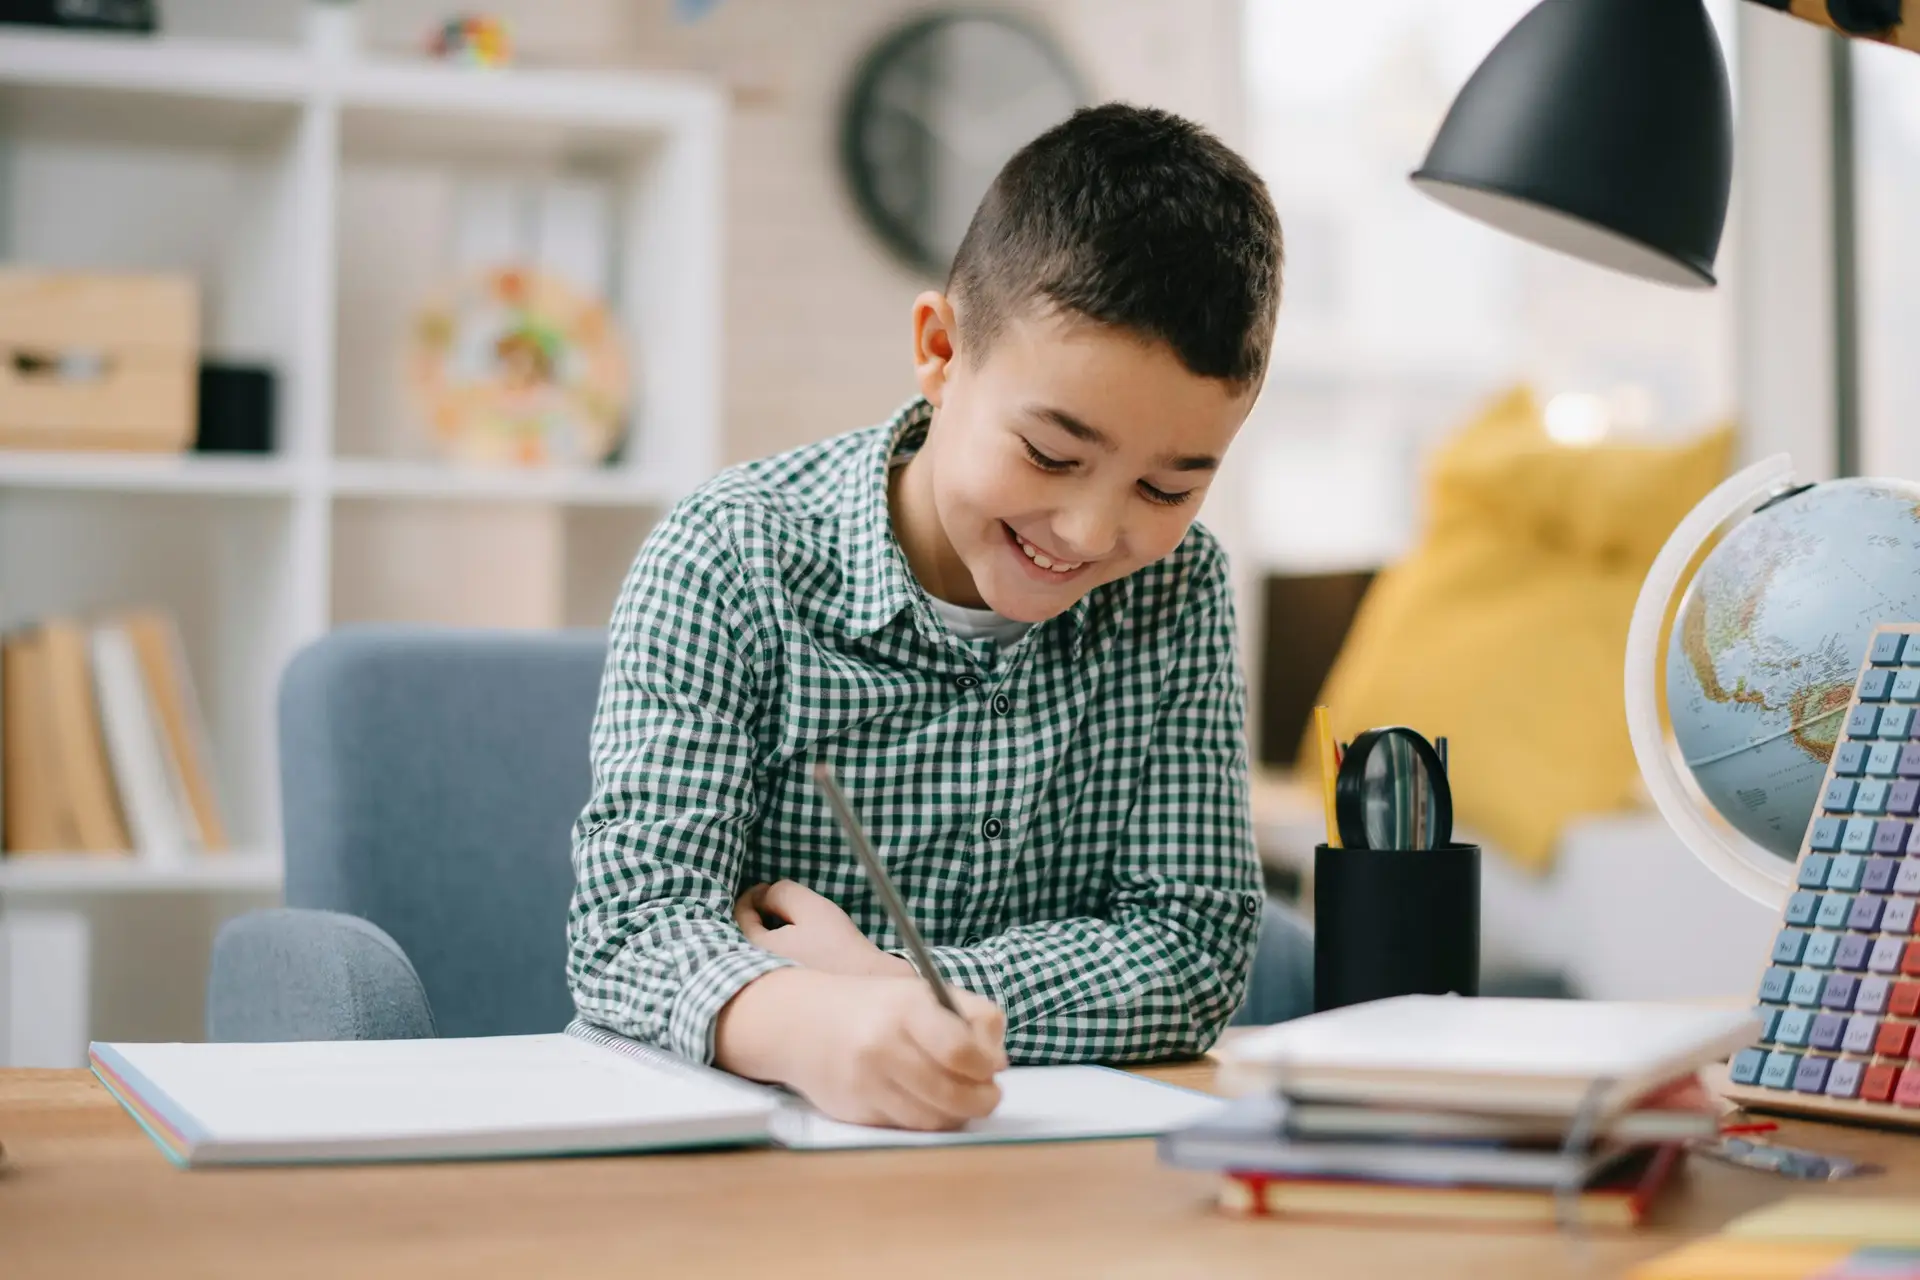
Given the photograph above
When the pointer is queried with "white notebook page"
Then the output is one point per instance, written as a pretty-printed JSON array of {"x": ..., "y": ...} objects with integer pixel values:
[
  {"x": 1038, "y": 1104},
  {"x": 350, "y": 1090}
]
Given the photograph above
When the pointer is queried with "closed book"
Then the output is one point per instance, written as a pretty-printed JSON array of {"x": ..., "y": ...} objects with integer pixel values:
[
  {"x": 1498, "y": 1056},
  {"x": 1620, "y": 1200},
  {"x": 91, "y": 797},
  {"x": 134, "y": 747},
  {"x": 1251, "y": 1136},
  {"x": 35, "y": 817},
  {"x": 1680, "y": 1110},
  {"x": 163, "y": 664}
]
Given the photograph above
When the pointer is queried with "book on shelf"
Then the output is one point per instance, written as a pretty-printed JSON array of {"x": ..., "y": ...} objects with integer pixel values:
[{"x": 102, "y": 745}]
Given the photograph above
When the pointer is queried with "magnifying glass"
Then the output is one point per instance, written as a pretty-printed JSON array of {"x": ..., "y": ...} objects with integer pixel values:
[{"x": 1391, "y": 792}]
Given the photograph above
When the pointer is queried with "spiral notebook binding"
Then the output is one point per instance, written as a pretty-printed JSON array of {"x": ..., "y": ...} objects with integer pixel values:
[{"x": 627, "y": 1047}]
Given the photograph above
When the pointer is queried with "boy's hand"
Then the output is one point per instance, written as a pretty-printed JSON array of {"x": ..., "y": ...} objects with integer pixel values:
[
  {"x": 877, "y": 1051},
  {"x": 812, "y": 931}
]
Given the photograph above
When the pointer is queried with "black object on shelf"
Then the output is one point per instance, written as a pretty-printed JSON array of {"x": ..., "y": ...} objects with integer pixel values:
[
  {"x": 236, "y": 409},
  {"x": 139, "y": 16},
  {"x": 1395, "y": 922},
  {"x": 1600, "y": 128}
]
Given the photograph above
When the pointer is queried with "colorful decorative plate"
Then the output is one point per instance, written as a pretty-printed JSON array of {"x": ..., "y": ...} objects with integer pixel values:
[{"x": 516, "y": 366}]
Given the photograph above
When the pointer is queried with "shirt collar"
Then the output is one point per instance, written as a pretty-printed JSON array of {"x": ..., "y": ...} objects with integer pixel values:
[{"x": 878, "y": 584}]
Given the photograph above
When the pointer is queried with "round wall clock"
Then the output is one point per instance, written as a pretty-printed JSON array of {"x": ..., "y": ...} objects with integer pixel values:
[{"x": 935, "y": 109}]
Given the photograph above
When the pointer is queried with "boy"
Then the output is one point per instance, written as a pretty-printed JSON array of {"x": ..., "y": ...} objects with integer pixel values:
[{"x": 995, "y": 618}]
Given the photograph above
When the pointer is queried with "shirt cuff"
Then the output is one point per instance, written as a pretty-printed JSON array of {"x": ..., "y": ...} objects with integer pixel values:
[
  {"x": 705, "y": 993},
  {"x": 974, "y": 969}
]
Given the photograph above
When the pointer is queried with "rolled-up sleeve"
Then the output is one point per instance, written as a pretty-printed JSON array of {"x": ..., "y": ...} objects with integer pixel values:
[{"x": 657, "y": 853}]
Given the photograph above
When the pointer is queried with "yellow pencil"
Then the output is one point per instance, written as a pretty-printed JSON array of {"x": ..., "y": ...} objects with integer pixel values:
[{"x": 1329, "y": 769}]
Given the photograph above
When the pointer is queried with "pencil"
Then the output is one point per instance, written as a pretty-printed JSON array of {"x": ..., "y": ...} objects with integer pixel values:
[
  {"x": 1323, "y": 730},
  {"x": 883, "y": 886}
]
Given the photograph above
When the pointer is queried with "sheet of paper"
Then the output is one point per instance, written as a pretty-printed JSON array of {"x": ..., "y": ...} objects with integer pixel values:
[{"x": 1038, "y": 1104}]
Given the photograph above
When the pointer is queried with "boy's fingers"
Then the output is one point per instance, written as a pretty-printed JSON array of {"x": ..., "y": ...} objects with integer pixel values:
[
  {"x": 904, "y": 1108},
  {"x": 960, "y": 1046},
  {"x": 790, "y": 900},
  {"x": 952, "y": 1097},
  {"x": 747, "y": 916},
  {"x": 989, "y": 1024}
]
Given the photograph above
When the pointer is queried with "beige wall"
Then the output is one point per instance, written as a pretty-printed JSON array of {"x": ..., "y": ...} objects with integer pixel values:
[{"x": 816, "y": 312}]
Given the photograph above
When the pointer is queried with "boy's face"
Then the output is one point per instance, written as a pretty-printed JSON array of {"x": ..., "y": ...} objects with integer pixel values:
[{"x": 1069, "y": 456}]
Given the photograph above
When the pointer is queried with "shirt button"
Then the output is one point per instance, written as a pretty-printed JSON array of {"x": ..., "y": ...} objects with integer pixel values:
[
  {"x": 1002, "y": 704},
  {"x": 973, "y": 940},
  {"x": 968, "y": 682},
  {"x": 992, "y": 828},
  {"x": 1251, "y": 904}
]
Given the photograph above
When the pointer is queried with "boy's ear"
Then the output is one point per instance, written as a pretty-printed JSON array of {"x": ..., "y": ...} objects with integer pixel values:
[{"x": 935, "y": 339}]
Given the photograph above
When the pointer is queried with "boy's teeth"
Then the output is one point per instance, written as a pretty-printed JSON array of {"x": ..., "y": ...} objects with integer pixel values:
[{"x": 1041, "y": 559}]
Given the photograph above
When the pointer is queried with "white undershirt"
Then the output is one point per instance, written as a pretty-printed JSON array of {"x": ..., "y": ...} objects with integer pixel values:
[{"x": 978, "y": 624}]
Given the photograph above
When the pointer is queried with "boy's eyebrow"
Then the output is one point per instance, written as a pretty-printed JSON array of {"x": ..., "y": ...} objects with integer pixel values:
[
  {"x": 1094, "y": 436},
  {"x": 1074, "y": 427}
]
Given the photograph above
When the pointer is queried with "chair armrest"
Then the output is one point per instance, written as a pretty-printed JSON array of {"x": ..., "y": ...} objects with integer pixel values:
[
  {"x": 1281, "y": 987},
  {"x": 293, "y": 974}
]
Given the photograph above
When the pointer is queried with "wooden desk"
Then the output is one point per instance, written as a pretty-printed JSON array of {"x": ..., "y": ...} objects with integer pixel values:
[{"x": 85, "y": 1193}]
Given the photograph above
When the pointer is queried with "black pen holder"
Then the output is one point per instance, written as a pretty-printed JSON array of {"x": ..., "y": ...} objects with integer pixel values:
[{"x": 1395, "y": 922}]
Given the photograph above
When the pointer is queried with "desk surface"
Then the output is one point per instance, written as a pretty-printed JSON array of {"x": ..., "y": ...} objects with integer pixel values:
[{"x": 85, "y": 1193}]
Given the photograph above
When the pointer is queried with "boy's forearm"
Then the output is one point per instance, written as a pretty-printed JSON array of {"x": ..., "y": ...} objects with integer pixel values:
[
  {"x": 1073, "y": 989},
  {"x": 765, "y": 1025}
]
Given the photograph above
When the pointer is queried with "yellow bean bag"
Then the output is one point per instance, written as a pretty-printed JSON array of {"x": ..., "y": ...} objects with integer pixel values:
[{"x": 1506, "y": 629}]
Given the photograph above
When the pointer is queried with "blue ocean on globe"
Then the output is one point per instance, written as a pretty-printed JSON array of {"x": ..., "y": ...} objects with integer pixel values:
[{"x": 1769, "y": 638}]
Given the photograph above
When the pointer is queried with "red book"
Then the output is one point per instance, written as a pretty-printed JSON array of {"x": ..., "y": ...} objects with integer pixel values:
[{"x": 1620, "y": 1199}]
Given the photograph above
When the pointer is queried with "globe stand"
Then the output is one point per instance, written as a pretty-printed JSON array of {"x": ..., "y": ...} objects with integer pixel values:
[{"x": 1731, "y": 855}]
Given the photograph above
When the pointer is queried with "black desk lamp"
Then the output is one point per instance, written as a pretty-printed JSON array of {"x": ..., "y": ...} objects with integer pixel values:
[{"x": 1604, "y": 129}]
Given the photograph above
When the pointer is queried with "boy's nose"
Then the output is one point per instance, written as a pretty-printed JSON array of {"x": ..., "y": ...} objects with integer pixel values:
[{"x": 1086, "y": 533}]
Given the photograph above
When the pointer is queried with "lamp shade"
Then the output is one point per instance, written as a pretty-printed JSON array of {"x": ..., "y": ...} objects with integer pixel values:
[{"x": 1601, "y": 128}]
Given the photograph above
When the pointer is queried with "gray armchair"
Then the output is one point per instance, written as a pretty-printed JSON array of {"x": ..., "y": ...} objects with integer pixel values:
[{"x": 430, "y": 780}]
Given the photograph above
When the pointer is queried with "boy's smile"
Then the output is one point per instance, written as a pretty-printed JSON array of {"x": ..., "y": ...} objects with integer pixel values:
[
  {"x": 1050, "y": 568},
  {"x": 1065, "y": 457}
]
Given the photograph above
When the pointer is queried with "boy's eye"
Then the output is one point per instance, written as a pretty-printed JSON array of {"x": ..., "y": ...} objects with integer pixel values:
[
  {"x": 1162, "y": 497},
  {"x": 1043, "y": 461}
]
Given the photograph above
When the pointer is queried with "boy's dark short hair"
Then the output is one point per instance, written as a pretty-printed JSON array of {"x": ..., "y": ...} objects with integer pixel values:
[{"x": 1135, "y": 218}]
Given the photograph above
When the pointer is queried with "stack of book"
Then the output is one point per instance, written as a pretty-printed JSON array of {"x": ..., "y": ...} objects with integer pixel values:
[
  {"x": 1468, "y": 1110},
  {"x": 102, "y": 745}
]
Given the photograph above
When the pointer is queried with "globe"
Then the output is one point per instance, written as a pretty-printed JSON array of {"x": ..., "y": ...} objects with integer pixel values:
[{"x": 1765, "y": 646}]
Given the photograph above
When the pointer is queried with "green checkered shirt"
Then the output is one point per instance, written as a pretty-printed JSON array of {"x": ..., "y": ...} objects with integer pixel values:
[{"x": 1066, "y": 818}]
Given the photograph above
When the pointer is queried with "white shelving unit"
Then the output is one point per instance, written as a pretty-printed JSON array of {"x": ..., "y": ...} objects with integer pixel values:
[
  {"x": 310, "y": 193},
  {"x": 236, "y": 872}
]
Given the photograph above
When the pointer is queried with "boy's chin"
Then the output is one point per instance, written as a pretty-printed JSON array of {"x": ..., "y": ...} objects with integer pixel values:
[{"x": 1024, "y": 602}]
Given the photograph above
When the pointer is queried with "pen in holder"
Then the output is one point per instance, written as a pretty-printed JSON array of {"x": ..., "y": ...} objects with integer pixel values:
[{"x": 1395, "y": 922}]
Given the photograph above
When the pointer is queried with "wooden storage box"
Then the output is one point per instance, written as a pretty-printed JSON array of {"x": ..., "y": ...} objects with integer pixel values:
[{"x": 96, "y": 361}]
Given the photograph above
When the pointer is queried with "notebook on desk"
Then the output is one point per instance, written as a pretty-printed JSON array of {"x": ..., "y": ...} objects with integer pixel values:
[
  {"x": 1497, "y": 1056},
  {"x": 582, "y": 1092}
]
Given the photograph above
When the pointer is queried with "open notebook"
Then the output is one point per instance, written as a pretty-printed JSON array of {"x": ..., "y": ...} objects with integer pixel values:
[{"x": 586, "y": 1091}]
